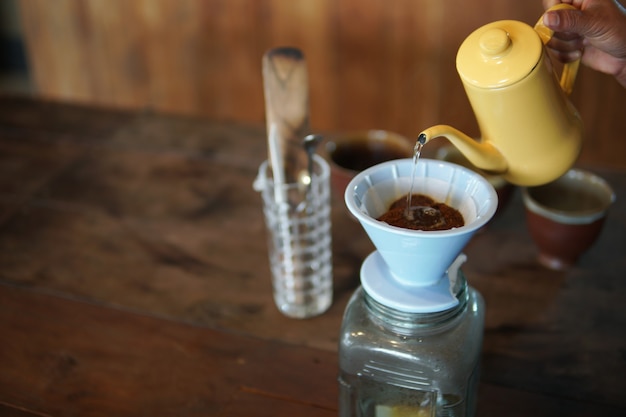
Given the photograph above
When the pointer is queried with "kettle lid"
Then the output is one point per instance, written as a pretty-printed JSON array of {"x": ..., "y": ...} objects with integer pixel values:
[{"x": 499, "y": 54}]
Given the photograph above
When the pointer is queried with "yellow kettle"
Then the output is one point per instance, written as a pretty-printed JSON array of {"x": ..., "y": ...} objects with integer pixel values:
[{"x": 531, "y": 133}]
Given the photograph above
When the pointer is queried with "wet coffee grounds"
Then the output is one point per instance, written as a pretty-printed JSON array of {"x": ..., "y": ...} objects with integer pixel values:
[{"x": 425, "y": 214}]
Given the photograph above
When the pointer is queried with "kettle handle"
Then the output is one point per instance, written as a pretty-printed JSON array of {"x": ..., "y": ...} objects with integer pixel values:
[{"x": 570, "y": 69}]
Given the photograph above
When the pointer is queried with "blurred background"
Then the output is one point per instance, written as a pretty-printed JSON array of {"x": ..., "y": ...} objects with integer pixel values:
[
  {"x": 14, "y": 74},
  {"x": 372, "y": 63}
]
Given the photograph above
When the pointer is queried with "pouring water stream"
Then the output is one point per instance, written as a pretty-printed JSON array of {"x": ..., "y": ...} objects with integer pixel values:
[{"x": 421, "y": 211}]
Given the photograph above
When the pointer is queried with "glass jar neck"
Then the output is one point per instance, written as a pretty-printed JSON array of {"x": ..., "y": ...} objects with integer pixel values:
[{"x": 408, "y": 323}]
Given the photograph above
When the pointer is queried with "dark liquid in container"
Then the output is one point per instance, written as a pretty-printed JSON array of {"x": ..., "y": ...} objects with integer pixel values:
[
  {"x": 424, "y": 214},
  {"x": 359, "y": 155}
]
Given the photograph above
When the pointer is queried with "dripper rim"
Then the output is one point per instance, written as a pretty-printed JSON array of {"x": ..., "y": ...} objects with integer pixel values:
[{"x": 475, "y": 224}]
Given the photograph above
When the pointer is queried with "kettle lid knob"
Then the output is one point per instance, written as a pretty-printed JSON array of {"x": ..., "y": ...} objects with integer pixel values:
[{"x": 494, "y": 42}]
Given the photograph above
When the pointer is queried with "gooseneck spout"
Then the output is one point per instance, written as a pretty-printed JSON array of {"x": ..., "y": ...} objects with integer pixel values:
[{"x": 483, "y": 155}]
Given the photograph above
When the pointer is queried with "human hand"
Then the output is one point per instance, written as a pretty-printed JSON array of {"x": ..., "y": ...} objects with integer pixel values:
[{"x": 596, "y": 33}]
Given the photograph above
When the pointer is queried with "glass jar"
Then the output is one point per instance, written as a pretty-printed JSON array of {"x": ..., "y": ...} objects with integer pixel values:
[{"x": 396, "y": 363}]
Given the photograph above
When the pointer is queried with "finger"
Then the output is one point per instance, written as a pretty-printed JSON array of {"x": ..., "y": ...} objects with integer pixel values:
[
  {"x": 549, "y": 3},
  {"x": 570, "y": 21},
  {"x": 566, "y": 56},
  {"x": 567, "y": 36},
  {"x": 567, "y": 44}
]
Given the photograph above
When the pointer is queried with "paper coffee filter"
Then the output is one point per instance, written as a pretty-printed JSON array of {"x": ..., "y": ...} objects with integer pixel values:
[
  {"x": 417, "y": 257},
  {"x": 377, "y": 198},
  {"x": 373, "y": 190}
]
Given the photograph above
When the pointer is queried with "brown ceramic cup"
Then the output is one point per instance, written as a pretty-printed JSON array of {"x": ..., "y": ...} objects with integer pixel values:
[
  {"x": 352, "y": 152},
  {"x": 565, "y": 217}
]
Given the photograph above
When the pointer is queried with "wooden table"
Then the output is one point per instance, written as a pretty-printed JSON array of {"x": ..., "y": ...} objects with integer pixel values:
[{"x": 134, "y": 281}]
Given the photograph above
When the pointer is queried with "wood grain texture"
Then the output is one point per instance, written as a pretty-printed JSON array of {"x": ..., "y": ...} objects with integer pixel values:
[
  {"x": 370, "y": 65},
  {"x": 100, "y": 361},
  {"x": 134, "y": 280}
]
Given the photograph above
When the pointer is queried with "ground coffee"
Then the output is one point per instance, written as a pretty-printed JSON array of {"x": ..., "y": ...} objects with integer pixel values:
[{"x": 424, "y": 214}]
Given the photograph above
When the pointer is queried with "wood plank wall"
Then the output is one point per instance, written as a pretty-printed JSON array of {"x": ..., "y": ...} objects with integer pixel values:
[{"x": 372, "y": 63}]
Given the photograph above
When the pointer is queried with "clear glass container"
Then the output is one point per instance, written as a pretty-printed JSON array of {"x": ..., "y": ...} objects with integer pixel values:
[{"x": 394, "y": 363}]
